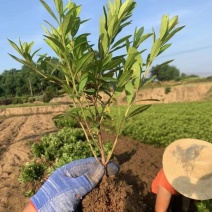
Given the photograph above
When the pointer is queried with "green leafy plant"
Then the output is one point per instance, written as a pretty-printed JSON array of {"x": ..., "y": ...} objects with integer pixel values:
[
  {"x": 65, "y": 122},
  {"x": 204, "y": 206},
  {"x": 87, "y": 74},
  {"x": 32, "y": 172},
  {"x": 67, "y": 145}
]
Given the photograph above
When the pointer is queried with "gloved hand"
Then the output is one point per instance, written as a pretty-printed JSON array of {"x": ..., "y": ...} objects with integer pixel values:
[{"x": 64, "y": 189}]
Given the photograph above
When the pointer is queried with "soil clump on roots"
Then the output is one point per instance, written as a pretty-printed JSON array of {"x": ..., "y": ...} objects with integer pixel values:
[{"x": 112, "y": 195}]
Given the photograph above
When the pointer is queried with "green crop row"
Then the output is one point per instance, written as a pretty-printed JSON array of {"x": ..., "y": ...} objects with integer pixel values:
[{"x": 161, "y": 124}]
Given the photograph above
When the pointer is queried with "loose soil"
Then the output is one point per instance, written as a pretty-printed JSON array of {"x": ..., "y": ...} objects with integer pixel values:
[{"x": 138, "y": 162}]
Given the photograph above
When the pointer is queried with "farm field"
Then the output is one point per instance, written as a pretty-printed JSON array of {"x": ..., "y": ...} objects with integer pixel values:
[
  {"x": 162, "y": 123},
  {"x": 139, "y": 162}
]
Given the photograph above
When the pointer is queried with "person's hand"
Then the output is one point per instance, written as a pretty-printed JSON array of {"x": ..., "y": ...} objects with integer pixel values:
[{"x": 67, "y": 185}]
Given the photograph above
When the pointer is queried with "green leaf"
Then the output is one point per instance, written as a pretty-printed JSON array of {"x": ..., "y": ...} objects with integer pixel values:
[
  {"x": 129, "y": 91},
  {"x": 104, "y": 39},
  {"x": 90, "y": 91},
  {"x": 137, "y": 34},
  {"x": 35, "y": 52},
  {"x": 153, "y": 35},
  {"x": 132, "y": 53},
  {"x": 155, "y": 49},
  {"x": 56, "y": 43},
  {"x": 49, "y": 10},
  {"x": 124, "y": 78},
  {"x": 84, "y": 61},
  {"x": 83, "y": 81},
  {"x": 148, "y": 81},
  {"x": 20, "y": 60},
  {"x": 59, "y": 6},
  {"x": 170, "y": 35},
  {"x": 15, "y": 47},
  {"x": 112, "y": 64},
  {"x": 121, "y": 41},
  {"x": 137, "y": 68},
  {"x": 173, "y": 22},
  {"x": 108, "y": 79},
  {"x": 111, "y": 27},
  {"x": 137, "y": 111},
  {"x": 163, "y": 48},
  {"x": 118, "y": 92},
  {"x": 164, "y": 26},
  {"x": 149, "y": 100}
]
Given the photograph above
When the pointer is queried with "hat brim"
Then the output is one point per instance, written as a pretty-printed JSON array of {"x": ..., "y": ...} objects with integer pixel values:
[{"x": 179, "y": 177}]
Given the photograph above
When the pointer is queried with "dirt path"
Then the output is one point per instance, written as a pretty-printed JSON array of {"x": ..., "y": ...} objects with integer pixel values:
[
  {"x": 139, "y": 163},
  {"x": 15, "y": 135}
]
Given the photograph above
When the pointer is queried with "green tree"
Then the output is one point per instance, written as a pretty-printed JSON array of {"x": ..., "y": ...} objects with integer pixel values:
[
  {"x": 9, "y": 82},
  {"x": 165, "y": 72},
  {"x": 84, "y": 76}
]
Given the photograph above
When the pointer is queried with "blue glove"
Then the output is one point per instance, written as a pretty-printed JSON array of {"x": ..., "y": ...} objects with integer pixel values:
[{"x": 64, "y": 189}]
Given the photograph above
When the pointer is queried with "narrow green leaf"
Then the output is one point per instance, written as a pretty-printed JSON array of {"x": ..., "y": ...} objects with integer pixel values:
[
  {"x": 153, "y": 35},
  {"x": 118, "y": 92},
  {"x": 83, "y": 81},
  {"x": 121, "y": 41},
  {"x": 137, "y": 68},
  {"x": 173, "y": 22},
  {"x": 49, "y": 10},
  {"x": 108, "y": 79},
  {"x": 142, "y": 39},
  {"x": 52, "y": 45},
  {"x": 35, "y": 52},
  {"x": 164, "y": 26},
  {"x": 124, "y": 78},
  {"x": 84, "y": 61},
  {"x": 90, "y": 91},
  {"x": 149, "y": 100},
  {"x": 148, "y": 81},
  {"x": 112, "y": 64},
  {"x": 19, "y": 60},
  {"x": 129, "y": 91},
  {"x": 15, "y": 46},
  {"x": 155, "y": 49},
  {"x": 163, "y": 48},
  {"x": 111, "y": 27},
  {"x": 170, "y": 35},
  {"x": 132, "y": 53},
  {"x": 56, "y": 42},
  {"x": 137, "y": 111},
  {"x": 59, "y": 6},
  {"x": 138, "y": 34}
]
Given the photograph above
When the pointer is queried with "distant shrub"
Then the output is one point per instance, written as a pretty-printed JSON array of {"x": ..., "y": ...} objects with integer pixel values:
[
  {"x": 209, "y": 78},
  {"x": 31, "y": 99},
  {"x": 167, "y": 90},
  {"x": 6, "y": 101},
  {"x": 17, "y": 100}
]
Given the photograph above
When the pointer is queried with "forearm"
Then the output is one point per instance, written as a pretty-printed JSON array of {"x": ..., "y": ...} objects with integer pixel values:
[{"x": 29, "y": 208}]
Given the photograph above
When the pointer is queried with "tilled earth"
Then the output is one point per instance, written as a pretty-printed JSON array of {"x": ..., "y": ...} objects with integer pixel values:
[{"x": 139, "y": 163}]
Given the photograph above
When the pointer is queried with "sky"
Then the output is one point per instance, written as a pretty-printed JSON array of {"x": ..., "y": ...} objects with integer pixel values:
[{"x": 191, "y": 48}]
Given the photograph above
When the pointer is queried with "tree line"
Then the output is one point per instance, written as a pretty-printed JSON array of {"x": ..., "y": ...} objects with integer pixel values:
[
  {"x": 30, "y": 85},
  {"x": 25, "y": 85}
]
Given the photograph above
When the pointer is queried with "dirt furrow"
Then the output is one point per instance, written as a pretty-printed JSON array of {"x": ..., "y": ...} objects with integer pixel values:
[{"x": 15, "y": 136}]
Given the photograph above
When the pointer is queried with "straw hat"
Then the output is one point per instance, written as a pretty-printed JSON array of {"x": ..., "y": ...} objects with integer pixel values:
[{"x": 187, "y": 165}]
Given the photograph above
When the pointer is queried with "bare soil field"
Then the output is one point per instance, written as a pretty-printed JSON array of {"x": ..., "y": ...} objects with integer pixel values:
[{"x": 138, "y": 162}]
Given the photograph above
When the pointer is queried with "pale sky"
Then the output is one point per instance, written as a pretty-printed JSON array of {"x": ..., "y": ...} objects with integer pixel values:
[{"x": 191, "y": 47}]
